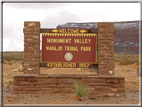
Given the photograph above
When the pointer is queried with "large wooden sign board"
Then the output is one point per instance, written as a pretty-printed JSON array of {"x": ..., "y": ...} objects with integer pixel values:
[{"x": 69, "y": 48}]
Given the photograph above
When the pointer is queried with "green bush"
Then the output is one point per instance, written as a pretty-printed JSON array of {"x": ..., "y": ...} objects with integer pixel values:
[{"x": 80, "y": 90}]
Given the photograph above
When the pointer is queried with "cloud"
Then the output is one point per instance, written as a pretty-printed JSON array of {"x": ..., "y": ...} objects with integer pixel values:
[
  {"x": 36, "y": 6},
  {"x": 13, "y": 37},
  {"x": 61, "y": 17},
  {"x": 13, "y": 45},
  {"x": 53, "y": 14},
  {"x": 97, "y": 12}
]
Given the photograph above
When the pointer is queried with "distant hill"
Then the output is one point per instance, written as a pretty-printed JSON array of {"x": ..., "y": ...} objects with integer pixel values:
[{"x": 126, "y": 39}]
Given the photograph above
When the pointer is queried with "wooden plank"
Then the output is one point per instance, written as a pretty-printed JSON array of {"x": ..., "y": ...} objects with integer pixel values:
[
  {"x": 45, "y": 30},
  {"x": 42, "y": 64},
  {"x": 93, "y": 31},
  {"x": 45, "y": 65},
  {"x": 69, "y": 31}
]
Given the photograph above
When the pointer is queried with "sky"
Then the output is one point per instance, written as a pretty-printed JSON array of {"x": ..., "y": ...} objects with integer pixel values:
[{"x": 51, "y": 15}]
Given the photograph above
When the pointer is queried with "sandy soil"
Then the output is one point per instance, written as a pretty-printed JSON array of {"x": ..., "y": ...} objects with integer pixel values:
[{"x": 131, "y": 87}]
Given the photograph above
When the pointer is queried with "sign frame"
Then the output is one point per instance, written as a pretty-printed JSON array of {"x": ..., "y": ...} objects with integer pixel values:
[{"x": 90, "y": 31}]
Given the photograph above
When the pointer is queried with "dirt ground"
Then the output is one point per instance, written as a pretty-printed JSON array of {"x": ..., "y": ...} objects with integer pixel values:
[{"x": 131, "y": 87}]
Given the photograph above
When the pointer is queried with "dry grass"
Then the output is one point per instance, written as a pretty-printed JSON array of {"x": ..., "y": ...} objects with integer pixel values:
[
  {"x": 4, "y": 74},
  {"x": 132, "y": 81},
  {"x": 9, "y": 81}
]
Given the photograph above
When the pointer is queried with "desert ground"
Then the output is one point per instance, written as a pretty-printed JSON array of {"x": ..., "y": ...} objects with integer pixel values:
[{"x": 129, "y": 70}]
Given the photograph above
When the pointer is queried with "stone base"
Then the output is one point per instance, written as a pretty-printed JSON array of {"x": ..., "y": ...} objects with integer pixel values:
[{"x": 101, "y": 86}]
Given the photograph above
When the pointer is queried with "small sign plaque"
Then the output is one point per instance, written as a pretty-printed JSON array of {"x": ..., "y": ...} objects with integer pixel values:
[
  {"x": 69, "y": 31},
  {"x": 67, "y": 65}
]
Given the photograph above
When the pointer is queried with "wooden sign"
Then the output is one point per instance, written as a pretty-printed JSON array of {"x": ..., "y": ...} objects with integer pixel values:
[
  {"x": 69, "y": 31},
  {"x": 69, "y": 49}
]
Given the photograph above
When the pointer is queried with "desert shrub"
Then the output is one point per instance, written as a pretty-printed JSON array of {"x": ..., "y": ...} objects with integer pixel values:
[
  {"x": 21, "y": 61},
  {"x": 116, "y": 60},
  {"x": 5, "y": 62},
  {"x": 10, "y": 63},
  {"x": 126, "y": 61},
  {"x": 12, "y": 57},
  {"x": 14, "y": 61},
  {"x": 11, "y": 75},
  {"x": 80, "y": 90}
]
